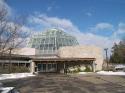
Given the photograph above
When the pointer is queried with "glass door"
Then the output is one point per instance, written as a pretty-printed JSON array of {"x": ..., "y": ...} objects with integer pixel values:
[
  {"x": 47, "y": 67},
  {"x": 44, "y": 67},
  {"x": 39, "y": 66},
  {"x": 52, "y": 67}
]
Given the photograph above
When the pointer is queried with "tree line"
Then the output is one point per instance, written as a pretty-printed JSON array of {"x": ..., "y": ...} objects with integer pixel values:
[{"x": 118, "y": 53}]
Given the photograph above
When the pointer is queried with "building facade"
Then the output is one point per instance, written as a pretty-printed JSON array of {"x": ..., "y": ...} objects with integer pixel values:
[{"x": 54, "y": 50}]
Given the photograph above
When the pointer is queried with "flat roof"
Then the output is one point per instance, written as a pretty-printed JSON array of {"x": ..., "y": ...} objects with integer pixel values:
[
  {"x": 63, "y": 59},
  {"x": 14, "y": 57}
]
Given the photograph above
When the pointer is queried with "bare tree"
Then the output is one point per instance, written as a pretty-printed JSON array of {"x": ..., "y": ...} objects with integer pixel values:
[{"x": 11, "y": 33}]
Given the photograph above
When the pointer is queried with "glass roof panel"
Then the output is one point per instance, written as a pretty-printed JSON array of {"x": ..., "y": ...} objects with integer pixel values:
[{"x": 49, "y": 41}]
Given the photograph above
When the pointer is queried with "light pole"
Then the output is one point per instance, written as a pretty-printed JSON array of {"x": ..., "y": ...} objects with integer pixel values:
[{"x": 106, "y": 55}]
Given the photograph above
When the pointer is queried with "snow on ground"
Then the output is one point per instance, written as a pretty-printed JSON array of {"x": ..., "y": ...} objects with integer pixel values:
[
  {"x": 82, "y": 73},
  {"x": 15, "y": 75},
  {"x": 110, "y": 73},
  {"x": 105, "y": 73},
  {"x": 85, "y": 72},
  {"x": 6, "y": 89}
]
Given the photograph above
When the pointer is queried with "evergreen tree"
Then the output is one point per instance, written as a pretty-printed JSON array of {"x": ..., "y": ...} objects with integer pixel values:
[{"x": 118, "y": 53}]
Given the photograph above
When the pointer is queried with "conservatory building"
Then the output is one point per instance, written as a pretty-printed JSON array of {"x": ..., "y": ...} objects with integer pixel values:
[
  {"x": 57, "y": 51},
  {"x": 48, "y": 42},
  {"x": 54, "y": 50}
]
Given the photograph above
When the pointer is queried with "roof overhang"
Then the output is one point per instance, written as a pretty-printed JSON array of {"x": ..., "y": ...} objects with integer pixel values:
[
  {"x": 62, "y": 59},
  {"x": 14, "y": 57}
]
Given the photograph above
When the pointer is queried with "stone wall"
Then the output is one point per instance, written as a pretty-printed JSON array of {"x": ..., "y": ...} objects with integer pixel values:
[
  {"x": 83, "y": 52},
  {"x": 25, "y": 51}
]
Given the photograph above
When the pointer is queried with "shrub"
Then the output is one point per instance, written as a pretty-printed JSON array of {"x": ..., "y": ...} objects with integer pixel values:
[
  {"x": 14, "y": 69},
  {"x": 87, "y": 69},
  {"x": 21, "y": 69}
]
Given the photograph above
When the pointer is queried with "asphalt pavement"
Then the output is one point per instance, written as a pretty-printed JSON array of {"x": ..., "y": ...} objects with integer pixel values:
[{"x": 60, "y": 83}]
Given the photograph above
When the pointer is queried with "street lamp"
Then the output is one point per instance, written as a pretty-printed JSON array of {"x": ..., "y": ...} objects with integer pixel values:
[{"x": 106, "y": 55}]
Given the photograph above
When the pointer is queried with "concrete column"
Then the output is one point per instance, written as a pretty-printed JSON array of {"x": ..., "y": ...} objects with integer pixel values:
[
  {"x": 18, "y": 64},
  {"x": 93, "y": 66},
  {"x": 25, "y": 64},
  {"x": 2, "y": 65},
  {"x": 64, "y": 67},
  {"x": 32, "y": 66}
]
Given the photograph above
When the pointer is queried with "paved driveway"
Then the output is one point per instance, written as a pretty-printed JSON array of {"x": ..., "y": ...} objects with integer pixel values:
[{"x": 59, "y": 83}]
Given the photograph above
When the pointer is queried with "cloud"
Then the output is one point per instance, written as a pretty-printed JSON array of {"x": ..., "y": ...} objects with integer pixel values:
[
  {"x": 52, "y": 5},
  {"x": 120, "y": 32},
  {"x": 53, "y": 22},
  {"x": 102, "y": 26},
  {"x": 88, "y": 14},
  {"x": 4, "y": 5},
  {"x": 49, "y": 8},
  {"x": 93, "y": 39},
  {"x": 121, "y": 28},
  {"x": 84, "y": 38},
  {"x": 22, "y": 30}
]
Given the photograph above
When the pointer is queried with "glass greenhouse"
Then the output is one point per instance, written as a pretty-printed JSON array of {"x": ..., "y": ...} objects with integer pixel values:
[{"x": 49, "y": 41}]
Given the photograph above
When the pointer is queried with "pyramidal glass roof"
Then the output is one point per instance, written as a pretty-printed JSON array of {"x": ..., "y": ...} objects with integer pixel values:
[{"x": 49, "y": 41}]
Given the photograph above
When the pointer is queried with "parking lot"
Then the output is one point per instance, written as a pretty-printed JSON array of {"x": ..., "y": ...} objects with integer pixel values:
[{"x": 60, "y": 83}]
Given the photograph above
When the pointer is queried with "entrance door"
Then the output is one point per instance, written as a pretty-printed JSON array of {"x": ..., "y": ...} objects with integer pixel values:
[
  {"x": 47, "y": 67},
  {"x": 43, "y": 67},
  {"x": 51, "y": 67}
]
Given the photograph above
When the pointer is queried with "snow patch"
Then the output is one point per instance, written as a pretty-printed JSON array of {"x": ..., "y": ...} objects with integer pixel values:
[
  {"x": 120, "y": 66},
  {"x": 15, "y": 75},
  {"x": 85, "y": 72},
  {"x": 110, "y": 73},
  {"x": 6, "y": 89}
]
